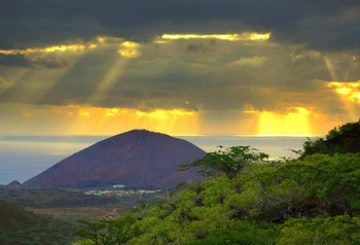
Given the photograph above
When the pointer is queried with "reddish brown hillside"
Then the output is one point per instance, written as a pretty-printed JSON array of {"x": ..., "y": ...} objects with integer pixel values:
[{"x": 138, "y": 158}]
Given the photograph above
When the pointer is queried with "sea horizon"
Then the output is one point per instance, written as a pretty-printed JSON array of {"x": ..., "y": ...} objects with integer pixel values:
[{"x": 24, "y": 156}]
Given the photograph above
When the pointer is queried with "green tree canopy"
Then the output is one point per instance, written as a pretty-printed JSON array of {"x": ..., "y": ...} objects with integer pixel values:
[
  {"x": 229, "y": 161},
  {"x": 343, "y": 139}
]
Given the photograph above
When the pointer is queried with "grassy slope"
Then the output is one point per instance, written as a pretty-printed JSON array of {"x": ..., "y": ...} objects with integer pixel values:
[
  {"x": 18, "y": 226},
  {"x": 315, "y": 200}
]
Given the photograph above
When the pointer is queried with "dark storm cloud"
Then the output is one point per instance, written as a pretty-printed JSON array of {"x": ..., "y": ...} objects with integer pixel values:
[
  {"x": 322, "y": 24},
  {"x": 14, "y": 61},
  {"x": 227, "y": 77},
  {"x": 49, "y": 62},
  {"x": 24, "y": 61},
  {"x": 283, "y": 76},
  {"x": 287, "y": 71},
  {"x": 196, "y": 48}
]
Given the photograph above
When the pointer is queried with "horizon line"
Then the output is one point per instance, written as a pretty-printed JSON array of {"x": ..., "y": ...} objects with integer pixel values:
[{"x": 174, "y": 135}]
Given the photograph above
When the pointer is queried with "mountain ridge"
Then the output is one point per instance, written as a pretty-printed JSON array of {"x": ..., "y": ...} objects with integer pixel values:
[{"x": 135, "y": 158}]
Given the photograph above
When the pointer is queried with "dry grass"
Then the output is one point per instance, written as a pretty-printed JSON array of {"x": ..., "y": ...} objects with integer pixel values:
[{"x": 80, "y": 213}]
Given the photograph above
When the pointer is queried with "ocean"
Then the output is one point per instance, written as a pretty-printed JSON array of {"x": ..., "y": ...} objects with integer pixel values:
[{"x": 22, "y": 157}]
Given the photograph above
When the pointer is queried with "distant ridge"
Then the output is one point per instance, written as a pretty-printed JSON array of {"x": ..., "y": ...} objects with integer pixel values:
[
  {"x": 138, "y": 158},
  {"x": 14, "y": 184}
]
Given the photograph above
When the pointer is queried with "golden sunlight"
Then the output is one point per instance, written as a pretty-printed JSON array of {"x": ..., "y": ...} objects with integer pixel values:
[
  {"x": 112, "y": 76},
  {"x": 349, "y": 95},
  {"x": 51, "y": 49},
  {"x": 260, "y": 36},
  {"x": 247, "y": 36},
  {"x": 294, "y": 123},
  {"x": 90, "y": 120},
  {"x": 97, "y": 120},
  {"x": 348, "y": 90},
  {"x": 129, "y": 49},
  {"x": 161, "y": 114}
]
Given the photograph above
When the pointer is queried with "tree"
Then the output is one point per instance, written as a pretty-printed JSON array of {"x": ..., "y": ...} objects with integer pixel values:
[
  {"x": 342, "y": 139},
  {"x": 229, "y": 161}
]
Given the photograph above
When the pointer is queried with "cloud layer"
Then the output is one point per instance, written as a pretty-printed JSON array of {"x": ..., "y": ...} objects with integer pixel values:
[
  {"x": 215, "y": 58},
  {"x": 322, "y": 24}
]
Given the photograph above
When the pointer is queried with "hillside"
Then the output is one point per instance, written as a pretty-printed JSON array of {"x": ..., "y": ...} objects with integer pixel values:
[
  {"x": 18, "y": 226},
  {"x": 311, "y": 201},
  {"x": 138, "y": 158},
  {"x": 249, "y": 199},
  {"x": 343, "y": 139}
]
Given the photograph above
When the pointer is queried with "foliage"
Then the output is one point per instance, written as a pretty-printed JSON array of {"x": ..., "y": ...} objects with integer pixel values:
[
  {"x": 229, "y": 161},
  {"x": 107, "y": 231},
  {"x": 49, "y": 198},
  {"x": 240, "y": 232},
  {"x": 306, "y": 187},
  {"x": 309, "y": 200},
  {"x": 331, "y": 230},
  {"x": 344, "y": 139},
  {"x": 18, "y": 226}
]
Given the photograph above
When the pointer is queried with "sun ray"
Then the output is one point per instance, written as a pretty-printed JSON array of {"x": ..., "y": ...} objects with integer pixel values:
[
  {"x": 57, "y": 77},
  {"x": 111, "y": 77},
  {"x": 293, "y": 123},
  {"x": 346, "y": 91},
  {"x": 349, "y": 95},
  {"x": 331, "y": 69},
  {"x": 94, "y": 120},
  {"x": 33, "y": 84}
]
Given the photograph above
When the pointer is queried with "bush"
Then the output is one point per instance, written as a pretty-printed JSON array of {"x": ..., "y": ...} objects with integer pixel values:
[
  {"x": 261, "y": 202},
  {"x": 331, "y": 230}
]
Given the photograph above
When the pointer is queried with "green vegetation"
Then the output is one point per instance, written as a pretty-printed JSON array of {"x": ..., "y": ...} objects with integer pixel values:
[
  {"x": 244, "y": 198},
  {"x": 344, "y": 139},
  {"x": 248, "y": 199},
  {"x": 229, "y": 161},
  {"x": 52, "y": 198},
  {"x": 18, "y": 226}
]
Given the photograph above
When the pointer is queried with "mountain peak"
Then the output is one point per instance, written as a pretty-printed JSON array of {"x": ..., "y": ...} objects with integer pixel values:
[
  {"x": 137, "y": 158},
  {"x": 142, "y": 132}
]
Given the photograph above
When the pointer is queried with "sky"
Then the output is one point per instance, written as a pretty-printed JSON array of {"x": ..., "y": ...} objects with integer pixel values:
[{"x": 191, "y": 67}]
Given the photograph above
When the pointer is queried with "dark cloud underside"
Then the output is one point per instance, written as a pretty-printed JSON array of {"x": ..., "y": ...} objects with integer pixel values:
[
  {"x": 312, "y": 43},
  {"x": 322, "y": 24}
]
